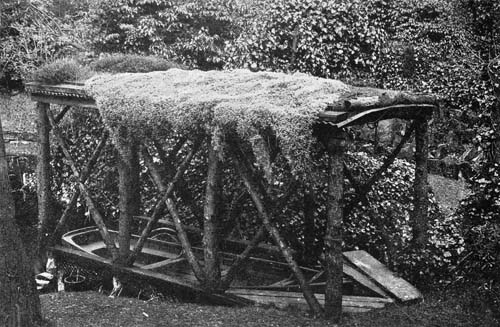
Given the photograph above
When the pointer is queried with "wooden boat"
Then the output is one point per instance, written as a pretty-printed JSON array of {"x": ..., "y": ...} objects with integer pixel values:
[
  {"x": 263, "y": 281},
  {"x": 166, "y": 257}
]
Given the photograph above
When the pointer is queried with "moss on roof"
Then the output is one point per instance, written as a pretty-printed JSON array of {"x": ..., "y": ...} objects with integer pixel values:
[
  {"x": 187, "y": 102},
  {"x": 61, "y": 71},
  {"x": 179, "y": 98},
  {"x": 129, "y": 63}
]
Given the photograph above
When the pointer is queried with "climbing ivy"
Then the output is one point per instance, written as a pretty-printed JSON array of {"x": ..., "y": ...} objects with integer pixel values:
[{"x": 324, "y": 38}]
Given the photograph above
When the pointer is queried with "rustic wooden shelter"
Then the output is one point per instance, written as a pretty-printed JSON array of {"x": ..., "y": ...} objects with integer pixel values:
[{"x": 356, "y": 107}]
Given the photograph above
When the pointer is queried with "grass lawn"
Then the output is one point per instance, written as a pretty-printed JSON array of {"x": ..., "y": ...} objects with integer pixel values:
[{"x": 94, "y": 309}]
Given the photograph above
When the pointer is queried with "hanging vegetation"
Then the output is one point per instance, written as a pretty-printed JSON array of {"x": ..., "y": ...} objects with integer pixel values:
[{"x": 185, "y": 102}]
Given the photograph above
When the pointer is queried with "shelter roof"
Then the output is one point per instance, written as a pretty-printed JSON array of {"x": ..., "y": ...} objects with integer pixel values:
[{"x": 329, "y": 101}]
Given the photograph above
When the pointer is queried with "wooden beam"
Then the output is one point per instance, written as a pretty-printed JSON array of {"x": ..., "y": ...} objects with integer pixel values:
[
  {"x": 363, "y": 280},
  {"x": 61, "y": 114},
  {"x": 384, "y": 99},
  {"x": 166, "y": 192},
  {"x": 169, "y": 158},
  {"x": 246, "y": 175},
  {"x": 360, "y": 192},
  {"x": 181, "y": 234},
  {"x": 179, "y": 285},
  {"x": 211, "y": 214},
  {"x": 419, "y": 215},
  {"x": 85, "y": 175},
  {"x": 365, "y": 188},
  {"x": 397, "y": 287},
  {"x": 333, "y": 237},
  {"x": 164, "y": 263},
  {"x": 340, "y": 120},
  {"x": 44, "y": 192},
  {"x": 294, "y": 300},
  {"x": 63, "y": 94},
  {"x": 239, "y": 263},
  {"x": 96, "y": 215},
  {"x": 65, "y": 101},
  {"x": 128, "y": 187}
]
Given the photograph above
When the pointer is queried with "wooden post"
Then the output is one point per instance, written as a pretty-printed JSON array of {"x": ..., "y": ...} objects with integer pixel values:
[
  {"x": 363, "y": 190},
  {"x": 420, "y": 187},
  {"x": 169, "y": 203},
  {"x": 74, "y": 198},
  {"x": 43, "y": 186},
  {"x": 239, "y": 262},
  {"x": 128, "y": 189},
  {"x": 309, "y": 204},
  {"x": 247, "y": 177},
  {"x": 333, "y": 237},
  {"x": 211, "y": 214},
  {"x": 94, "y": 212}
]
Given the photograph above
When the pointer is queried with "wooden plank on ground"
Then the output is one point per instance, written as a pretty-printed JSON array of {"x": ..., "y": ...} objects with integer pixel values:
[
  {"x": 386, "y": 279},
  {"x": 296, "y": 299},
  {"x": 94, "y": 261},
  {"x": 363, "y": 280}
]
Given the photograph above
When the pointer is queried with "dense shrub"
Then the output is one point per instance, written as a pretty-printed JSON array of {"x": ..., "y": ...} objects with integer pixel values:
[
  {"x": 429, "y": 49},
  {"x": 324, "y": 38},
  {"x": 382, "y": 228},
  {"x": 481, "y": 224},
  {"x": 62, "y": 70},
  {"x": 123, "y": 63}
]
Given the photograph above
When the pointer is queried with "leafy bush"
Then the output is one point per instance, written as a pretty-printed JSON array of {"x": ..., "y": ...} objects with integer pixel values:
[
  {"x": 123, "y": 63},
  {"x": 429, "y": 49},
  {"x": 192, "y": 32},
  {"x": 324, "y": 38},
  {"x": 481, "y": 222},
  {"x": 382, "y": 228},
  {"x": 31, "y": 35},
  {"x": 62, "y": 70}
]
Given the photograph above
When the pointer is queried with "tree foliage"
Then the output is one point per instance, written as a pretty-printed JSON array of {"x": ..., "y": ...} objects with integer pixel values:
[
  {"x": 192, "y": 32},
  {"x": 30, "y": 35}
]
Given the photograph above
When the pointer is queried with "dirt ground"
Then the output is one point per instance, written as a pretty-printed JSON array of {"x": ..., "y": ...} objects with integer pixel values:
[{"x": 95, "y": 309}]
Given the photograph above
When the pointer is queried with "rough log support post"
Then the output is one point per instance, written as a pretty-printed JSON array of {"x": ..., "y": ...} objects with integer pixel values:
[
  {"x": 420, "y": 187},
  {"x": 76, "y": 195},
  {"x": 43, "y": 186},
  {"x": 211, "y": 214},
  {"x": 165, "y": 190},
  {"x": 241, "y": 259},
  {"x": 239, "y": 262},
  {"x": 252, "y": 188},
  {"x": 169, "y": 203},
  {"x": 333, "y": 237},
  {"x": 128, "y": 189},
  {"x": 363, "y": 190},
  {"x": 94, "y": 212},
  {"x": 308, "y": 205}
]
